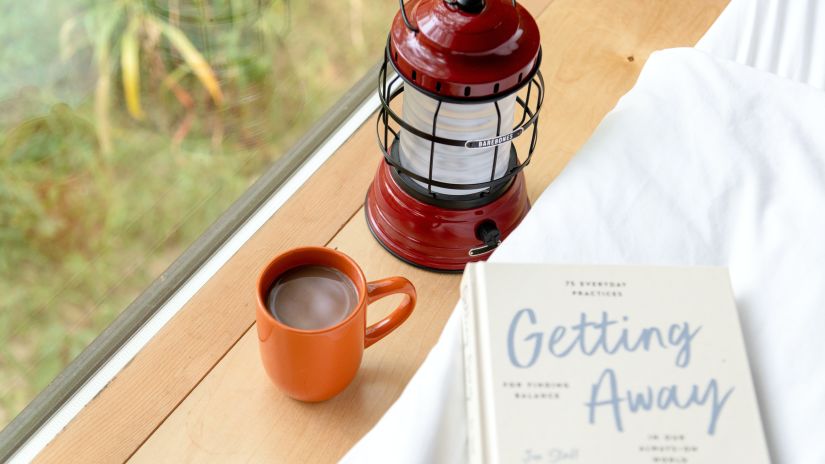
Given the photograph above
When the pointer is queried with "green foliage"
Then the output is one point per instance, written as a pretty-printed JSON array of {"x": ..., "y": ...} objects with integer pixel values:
[{"x": 117, "y": 150}]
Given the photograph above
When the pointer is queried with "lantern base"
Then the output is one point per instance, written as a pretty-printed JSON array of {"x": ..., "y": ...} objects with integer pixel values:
[{"x": 433, "y": 237}]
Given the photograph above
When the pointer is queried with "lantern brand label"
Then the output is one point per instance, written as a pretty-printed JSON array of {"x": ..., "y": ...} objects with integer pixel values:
[{"x": 486, "y": 143}]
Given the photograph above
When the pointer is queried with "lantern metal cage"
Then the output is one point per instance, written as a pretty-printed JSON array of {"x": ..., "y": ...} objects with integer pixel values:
[{"x": 485, "y": 192}]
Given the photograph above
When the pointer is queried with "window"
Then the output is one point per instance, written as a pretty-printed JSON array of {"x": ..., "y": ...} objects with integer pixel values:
[{"x": 126, "y": 129}]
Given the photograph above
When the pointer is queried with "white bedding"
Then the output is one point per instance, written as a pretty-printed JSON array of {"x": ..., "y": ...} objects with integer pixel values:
[
  {"x": 704, "y": 161},
  {"x": 783, "y": 37}
]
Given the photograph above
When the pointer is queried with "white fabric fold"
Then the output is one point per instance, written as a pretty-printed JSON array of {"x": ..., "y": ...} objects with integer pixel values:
[
  {"x": 703, "y": 162},
  {"x": 783, "y": 37}
]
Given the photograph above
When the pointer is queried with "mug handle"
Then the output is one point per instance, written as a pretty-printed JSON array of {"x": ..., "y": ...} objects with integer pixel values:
[{"x": 385, "y": 287}]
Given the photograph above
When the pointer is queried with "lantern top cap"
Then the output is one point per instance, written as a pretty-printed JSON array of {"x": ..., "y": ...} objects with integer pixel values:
[{"x": 464, "y": 49}]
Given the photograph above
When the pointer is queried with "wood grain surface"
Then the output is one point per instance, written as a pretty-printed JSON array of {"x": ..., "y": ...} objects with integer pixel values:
[{"x": 197, "y": 392}]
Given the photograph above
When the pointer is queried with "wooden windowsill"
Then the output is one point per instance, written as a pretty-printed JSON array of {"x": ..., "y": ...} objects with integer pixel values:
[{"x": 197, "y": 391}]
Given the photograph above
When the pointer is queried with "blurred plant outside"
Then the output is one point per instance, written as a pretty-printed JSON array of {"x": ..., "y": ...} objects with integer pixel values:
[{"x": 126, "y": 128}]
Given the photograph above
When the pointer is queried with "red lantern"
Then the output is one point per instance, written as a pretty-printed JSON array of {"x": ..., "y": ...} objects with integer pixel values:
[{"x": 450, "y": 187}]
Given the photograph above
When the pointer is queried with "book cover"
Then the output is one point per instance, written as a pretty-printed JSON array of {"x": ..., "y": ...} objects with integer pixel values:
[{"x": 595, "y": 364}]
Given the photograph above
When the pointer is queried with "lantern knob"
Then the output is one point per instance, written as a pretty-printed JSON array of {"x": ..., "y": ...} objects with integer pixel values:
[
  {"x": 489, "y": 234},
  {"x": 468, "y": 6}
]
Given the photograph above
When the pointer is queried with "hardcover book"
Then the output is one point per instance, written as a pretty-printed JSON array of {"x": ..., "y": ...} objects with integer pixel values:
[{"x": 596, "y": 364}]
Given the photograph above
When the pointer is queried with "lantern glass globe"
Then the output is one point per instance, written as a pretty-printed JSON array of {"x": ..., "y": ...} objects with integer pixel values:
[{"x": 458, "y": 121}]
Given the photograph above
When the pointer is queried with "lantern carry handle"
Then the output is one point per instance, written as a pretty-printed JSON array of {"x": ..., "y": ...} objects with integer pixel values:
[{"x": 407, "y": 20}]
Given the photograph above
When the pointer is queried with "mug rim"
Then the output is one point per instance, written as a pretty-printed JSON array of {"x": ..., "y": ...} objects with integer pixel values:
[{"x": 360, "y": 286}]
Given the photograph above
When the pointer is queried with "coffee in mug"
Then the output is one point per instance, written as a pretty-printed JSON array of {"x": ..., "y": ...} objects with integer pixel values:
[{"x": 312, "y": 297}]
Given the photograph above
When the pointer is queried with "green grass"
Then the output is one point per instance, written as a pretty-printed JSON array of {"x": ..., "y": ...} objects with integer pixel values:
[{"x": 86, "y": 223}]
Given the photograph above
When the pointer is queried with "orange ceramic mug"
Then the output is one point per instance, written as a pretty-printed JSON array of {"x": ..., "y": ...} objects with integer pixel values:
[{"x": 315, "y": 365}]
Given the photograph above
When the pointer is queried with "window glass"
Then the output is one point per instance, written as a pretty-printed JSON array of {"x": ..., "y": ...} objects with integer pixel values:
[{"x": 126, "y": 128}]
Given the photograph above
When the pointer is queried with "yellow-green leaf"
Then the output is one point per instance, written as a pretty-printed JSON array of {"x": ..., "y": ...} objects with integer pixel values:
[
  {"x": 130, "y": 70},
  {"x": 195, "y": 61}
]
